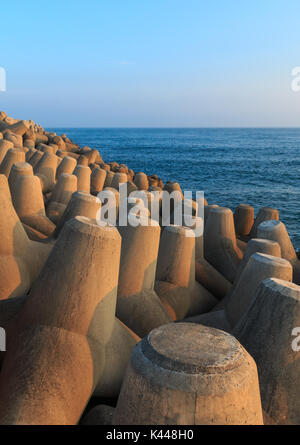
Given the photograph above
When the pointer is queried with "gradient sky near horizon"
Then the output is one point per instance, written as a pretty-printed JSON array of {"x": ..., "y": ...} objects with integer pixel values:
[{"x": 151, "y": 63}]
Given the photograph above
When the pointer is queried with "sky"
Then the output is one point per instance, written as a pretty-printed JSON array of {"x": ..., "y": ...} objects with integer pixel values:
[{"x": 151, "y": 63}]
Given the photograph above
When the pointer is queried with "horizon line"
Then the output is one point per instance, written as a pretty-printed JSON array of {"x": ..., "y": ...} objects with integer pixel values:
[{"x": 175, "y": 128}]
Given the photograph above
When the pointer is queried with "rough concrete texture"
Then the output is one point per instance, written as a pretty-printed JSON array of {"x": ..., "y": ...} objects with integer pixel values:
[
  {"x": 19, "y": 168},
  {"x": 83, "y": 174},
  {"x": 264, "y": 214},
  {"x": 276, "y": 231},
  {"x": 175, "y": 274},
  {"x": 97, "y": 180},
  {"x": 138, "y": 305},
  {"x": 257, "y": 245},
  {"x": 45, "y": 169},
  {"x": 21, "y": 259},
  {"x": 12, "y": 156},
  {"x": 4, "y": 147},
  {"x": 259, "y": 267},
  {"x": 67, "y": 166},
  {"x": 243, "y": 219},
  {"x": 141, "y": 181},
  {"x": 118, "y": 178},
  {"x": 80, "y": 204},
  {"x": 27, "y": 198},
  {"x": 266, "y": 331},
  {"x": 99, "y": 415},
  {"x": 188, "y": 374},
  {"x": 65, "y": 186},
  {"x": 220, "y": 245},
  {"x": 68, "y": 340}
]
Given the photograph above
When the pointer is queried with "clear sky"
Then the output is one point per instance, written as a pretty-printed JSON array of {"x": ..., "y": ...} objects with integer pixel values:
[{"x": 151, "y": 63}]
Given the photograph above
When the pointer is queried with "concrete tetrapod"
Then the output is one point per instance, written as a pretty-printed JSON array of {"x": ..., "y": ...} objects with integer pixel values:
[
  {"x": 267, "y": 331},
  {"x": 205, "y": 273},
  {"x": 108, "y": 179},
  {"x": 141, "y": 181},
  {"x": 138, "y": 306},
  {"x": 4, "y": 185},
  {"x": 20, "y": 259},
  {"x": 276, "y": 231},
  {"x": 12, "y": 156},
  {"x": 207, "y": 209},
  {"x": 231, "y": 309},
  {"x": 264, "y": 214},
  {"x": 259, "y": 267},
  {"x": 63, "y": 329},
  {"x": 118, "y": 178},
  {"x": 45, "y": 169},
  {"x": 62, "y": 193},
  {"x": 255, "y": 245},
  {"x": 27, "y": 197},
  {"x": 16, "y": 139},
  {"x": 175, "y": 275},
  {"x": 35, "y": 158},
  {"x": 243, "y": 219},
  {"x": 80, "y": 204},
  {"x": 220, "y": 244},
  {"x": 83, "y": 174},
  {"x": 19, "y": 168},
  {"x": 97, "y": 180},
  {"x": 188, "y": 374},
  {"x": 99, "y": 415},
  {"x": 67, "y": 166},
  {"x": 4, "y": 147}
]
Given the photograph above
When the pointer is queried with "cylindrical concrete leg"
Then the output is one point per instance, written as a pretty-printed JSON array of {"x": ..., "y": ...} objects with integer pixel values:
[
  {"x": 141, "y": 181},
  {"x": 67, "y": 166},
  {"x": 259, "y": 267},
  {"x": 188, "y": 374},
  {"x": 97, "y": 180},
  {"x": 99, "y": 415},
  {"x": 276, "y": 231},
  {"x": 270, "y": 333},
  {"x": 264, "y": 214},
  {"x": 46, "y": 171},
  {"x": 19, "y": 168},
  {"x": 138, "y": 306},
  {"x": 207, "y": 210},
  {"x": 220, "y": 246},
  {"x": 12, "y": 156},
  {"x": 53, "y": 334},
  {"x": 257, "y": 245},
  {"x": 243, "y": 219},
  {"x": 81, "y": 204},
  {"x": 83, "y": 174},
  {"x": 176, "y": 266}
]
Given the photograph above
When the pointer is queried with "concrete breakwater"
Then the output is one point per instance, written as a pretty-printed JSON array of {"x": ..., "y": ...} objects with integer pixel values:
[{"x": 176, "y": 325}]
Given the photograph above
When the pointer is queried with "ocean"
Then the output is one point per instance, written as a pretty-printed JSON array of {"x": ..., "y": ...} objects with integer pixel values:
[{"x": 260, "y": 167}]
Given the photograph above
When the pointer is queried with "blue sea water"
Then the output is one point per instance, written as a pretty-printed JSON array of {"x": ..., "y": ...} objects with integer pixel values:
[{"x": 260, "y": 167}]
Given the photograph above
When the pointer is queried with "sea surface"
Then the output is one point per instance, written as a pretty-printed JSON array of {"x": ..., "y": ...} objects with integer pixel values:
[{"x": 260, "y": 167}]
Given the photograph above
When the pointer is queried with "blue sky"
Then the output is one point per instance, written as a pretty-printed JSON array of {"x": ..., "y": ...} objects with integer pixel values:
[{"x": 158, "y": 63}]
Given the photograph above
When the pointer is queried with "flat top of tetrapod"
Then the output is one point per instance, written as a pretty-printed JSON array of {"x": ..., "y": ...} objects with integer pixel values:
[
  {"x": 192, "y": 348},
  {"x": 265, "y": 258},
  {"x": 270, "y": 224},
  {"x": 285, "y": 288}
]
